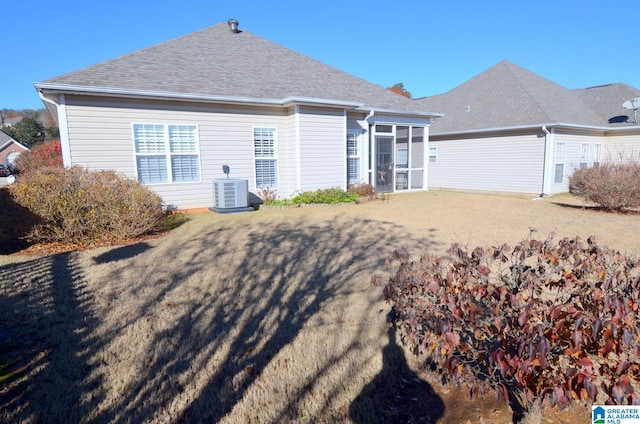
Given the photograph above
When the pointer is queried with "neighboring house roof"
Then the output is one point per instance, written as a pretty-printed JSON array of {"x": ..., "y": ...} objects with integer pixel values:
[
  {"x": 8, "y": 122},
  {"x": 215, "y": 64},
  {"x": 508, "y": 96},
  {"x": 606, "y": 101},
  {"x": 6, "y": 140}
]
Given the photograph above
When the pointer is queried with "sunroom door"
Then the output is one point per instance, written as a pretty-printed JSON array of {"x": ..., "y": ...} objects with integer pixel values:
[{"x": 384, "y": 164}]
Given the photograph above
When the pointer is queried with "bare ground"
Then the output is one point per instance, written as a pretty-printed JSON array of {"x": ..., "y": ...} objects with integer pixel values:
[{"x": 262, "y": 317}]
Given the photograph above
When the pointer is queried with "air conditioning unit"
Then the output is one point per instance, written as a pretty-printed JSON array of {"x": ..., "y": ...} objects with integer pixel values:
[{"x": 230, "y": 195}]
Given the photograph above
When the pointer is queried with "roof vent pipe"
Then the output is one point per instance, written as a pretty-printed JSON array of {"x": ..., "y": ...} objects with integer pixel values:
[{"x": 233, "y": 25}]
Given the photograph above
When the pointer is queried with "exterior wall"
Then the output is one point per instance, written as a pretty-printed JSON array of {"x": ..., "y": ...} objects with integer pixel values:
[
  {"x": 510, "y": 163},
  {"x": 323, "y": 160},
  {"x": 622, "y": 147},
  {"x": 573, "y": 147},
  {"x": 101, "y": 137},
  {"x": 9, "y": 148}
]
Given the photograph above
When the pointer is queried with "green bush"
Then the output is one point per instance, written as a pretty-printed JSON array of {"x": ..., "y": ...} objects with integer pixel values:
[
  {"x": 328, "y": 195},
  {"x": 612, "y": 186},
  {"x": 539, "y": 320},
  {"x": 82, "y": 207}
]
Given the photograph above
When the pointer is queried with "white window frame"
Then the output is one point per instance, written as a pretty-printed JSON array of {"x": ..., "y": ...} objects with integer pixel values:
[
  {"x": 261, "y": 156},
  {"x": 597, "y": 154},
  {"x": 584, "y": 155},
  {"x": 165, "y": 153},
  {"x": 353, "y": 156},
  {"x": 559, "y": 162},
  {"x": 433, "y": 154}
]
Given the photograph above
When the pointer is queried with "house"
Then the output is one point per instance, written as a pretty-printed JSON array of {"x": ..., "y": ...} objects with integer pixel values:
[
  {"x": 511, "y": 130},
  {"x": 10, "y": 149},
  {"x": 172, "y": 115}
]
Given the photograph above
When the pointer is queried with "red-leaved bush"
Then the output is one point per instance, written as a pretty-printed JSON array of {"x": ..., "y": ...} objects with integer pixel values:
[
  {"x": 543, "y": 319},
  {"x": 44, "y": 155}
]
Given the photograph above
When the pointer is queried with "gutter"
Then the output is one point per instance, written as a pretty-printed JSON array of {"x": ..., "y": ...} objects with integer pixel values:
[
  {"x": 535, "y": 127},
  {"x": 239, "y": 100},
  {"x": 159, "y": 95}
]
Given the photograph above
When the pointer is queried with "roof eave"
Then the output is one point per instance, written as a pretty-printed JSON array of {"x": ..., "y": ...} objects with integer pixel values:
[
  {"x": 435, "y": 132},
  {"x": 160, "y": 95}
]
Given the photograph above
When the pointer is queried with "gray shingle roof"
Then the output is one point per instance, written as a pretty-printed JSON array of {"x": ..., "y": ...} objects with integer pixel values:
[
  {"x": 507, "y": 95},
  {"x": 606, "y": 100},
  {"x": 218, "y": 63}
]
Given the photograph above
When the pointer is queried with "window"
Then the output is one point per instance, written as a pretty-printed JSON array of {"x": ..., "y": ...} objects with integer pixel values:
[
  {"x": 559, "y": 161},
  {"x": 433, "y": 154},
  {"x": 584, "y": 155},
  {"x": 597, "y": 154},
  {"x": 264, "y": 147},
  {"x": 166, "y": 153},
  {"x": 353, "y": 158}
]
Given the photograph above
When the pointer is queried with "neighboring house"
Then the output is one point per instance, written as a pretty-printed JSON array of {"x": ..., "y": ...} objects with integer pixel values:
[
  {"x": 172, "y": 115},
  {"x": 10, "y": 149},
  {"x": 508, "y": 129},
  {"x": 9, "y": 122}
]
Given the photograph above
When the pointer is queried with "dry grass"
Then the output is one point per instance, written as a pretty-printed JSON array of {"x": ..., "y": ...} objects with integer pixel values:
[{"x": 263, "y": 317}]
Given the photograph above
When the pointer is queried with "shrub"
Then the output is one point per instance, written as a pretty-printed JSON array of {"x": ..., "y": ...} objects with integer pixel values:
[
  {"x": 329, "y": 195},
  {"x": 362, "y": 190},
  {"x": 81, "y": 206},
  {"x": 540, "y": 320},
  {"x": 44, "y": 155},
  {"x": 612, "y": 186},
  {"x": 268, "y": 195}
]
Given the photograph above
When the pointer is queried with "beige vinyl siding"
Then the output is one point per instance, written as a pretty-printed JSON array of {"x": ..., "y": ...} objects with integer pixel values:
[
  {"x": 573, "y": 149},
  {"x": 625, "y": 146},
  {"x": 499, "y": 163},
  {"x": 322, "y": 148},
  {"x": 100, "y": 134}
]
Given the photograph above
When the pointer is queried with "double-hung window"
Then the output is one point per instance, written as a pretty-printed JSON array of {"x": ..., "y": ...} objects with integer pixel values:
[
  {"x": 597, "y": 154},
  {"x": 584, "y": 155},
  {"x": 166, "y": 153},
  {"x": 353, "y": 158},
  {"x": 559, "y": 163},
  {"x": 266, "y": 159},
  {"x": 433, "y": 154}
]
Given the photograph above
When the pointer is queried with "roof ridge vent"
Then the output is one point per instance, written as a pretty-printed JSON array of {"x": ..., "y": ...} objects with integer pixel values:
[{"x": 233, "y": 25}]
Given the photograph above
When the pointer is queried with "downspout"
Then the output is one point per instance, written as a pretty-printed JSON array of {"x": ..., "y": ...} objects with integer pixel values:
[
  {"x": 370, "y": 148},
  {"x": 61, "y": 109},
  {"x": 298, "y": 151},
  {"x": 547, "y": 168}
]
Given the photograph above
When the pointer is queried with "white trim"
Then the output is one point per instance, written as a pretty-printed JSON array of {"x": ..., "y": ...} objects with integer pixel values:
[
  {"x": 298, "y": 142},
  {"x": 276, "y": 152},
  {"x": 548, "y": 168},
  {"x": 344, "y": 143},
  {"x": 168, "y": 154},
  {"x": 63, "y": 126}
]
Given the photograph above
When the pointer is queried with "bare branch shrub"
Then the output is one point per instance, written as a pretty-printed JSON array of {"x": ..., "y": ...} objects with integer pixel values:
[
  {"x": 612, "y": 186},
  {"x": 81, "y": 206}
]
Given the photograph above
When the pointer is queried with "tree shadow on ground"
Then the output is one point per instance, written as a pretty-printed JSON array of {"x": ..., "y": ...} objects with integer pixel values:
[
  {"x": 396, "y": 394},
  {"x": 15, "y": 224},
  {"x": 201, "y": 319},
  {"x": 46, "y": 342}
]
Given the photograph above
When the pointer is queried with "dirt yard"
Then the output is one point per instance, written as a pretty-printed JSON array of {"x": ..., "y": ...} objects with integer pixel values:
[{"x": 260, "y": 317}]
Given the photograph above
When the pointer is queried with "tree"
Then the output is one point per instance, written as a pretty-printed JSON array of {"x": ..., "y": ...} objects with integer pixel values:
[
  {"x": 28, "y": 132},
  {"x": 399, "y": 89}
]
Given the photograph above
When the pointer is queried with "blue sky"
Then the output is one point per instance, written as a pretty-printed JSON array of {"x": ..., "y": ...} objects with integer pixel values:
[{"x": 431, "y": 47}]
